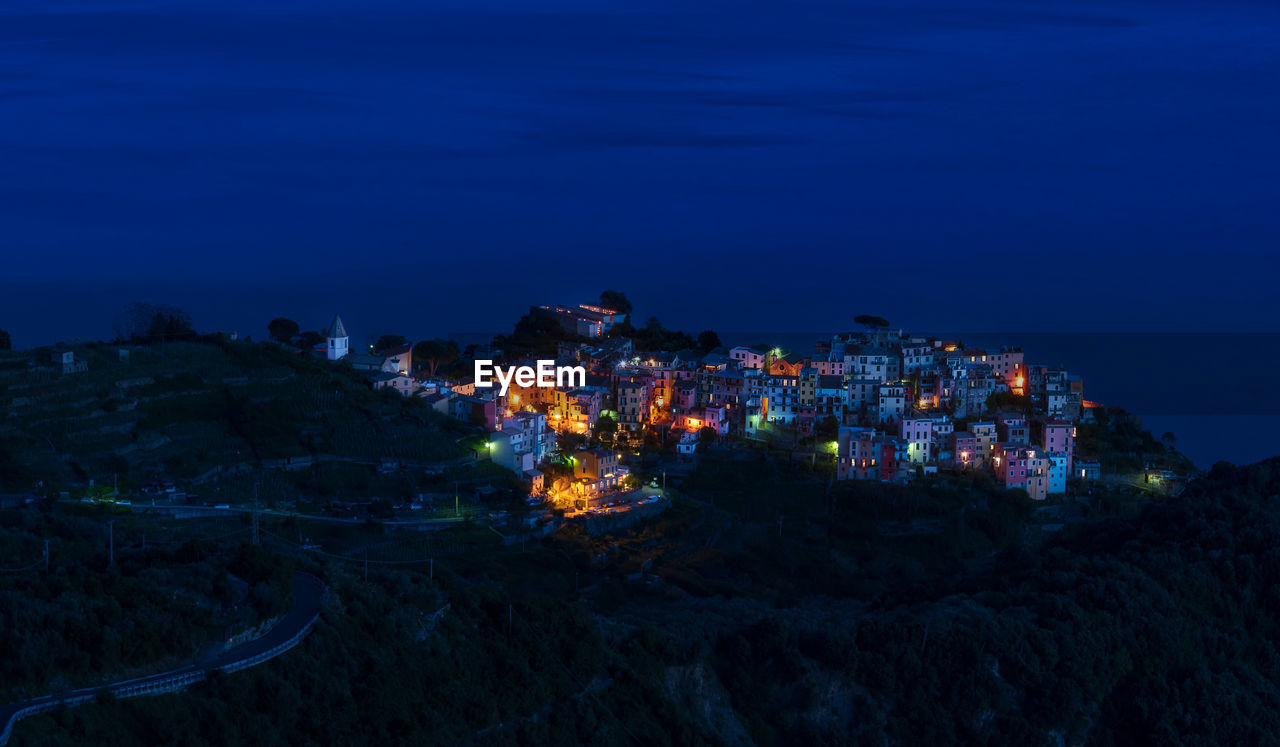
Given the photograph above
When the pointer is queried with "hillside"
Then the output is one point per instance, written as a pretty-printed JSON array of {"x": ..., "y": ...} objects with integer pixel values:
[
  {"x": 1153, "y": 628},
  {"x": 145, "y": 600},
  {"x": 179, "y": 410}
]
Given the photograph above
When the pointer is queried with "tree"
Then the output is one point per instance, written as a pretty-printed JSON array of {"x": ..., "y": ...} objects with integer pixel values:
[
  {"x": 431, "y": 355},
  {"x": 827, "y": 429},
  {"x": 392, "y": 341},
  {"x": 1008, "y": 400},
  {"x": 1169, "y": 439},
  {"x": 615, "y": 301},
  {"x": 282, "y": 330},
  {"x": 170, "y": 324},
  {"x": 308, "y": 340},
  {"x": 537, "y": 333},
  {"x": 622, "y": 329},
  {"x": 871, "y": 322},
  {"x": 653, "y": 336},
  {"x": 708, "y": 341},
  {"x": 569, "y": 441},
  {"x": 707, "y": 435},
  {"x": 6, "y": 342},
  {"x": 478, "y": 416},
  {"x": 606, "y": 428},
  {"x": 145, "y": 322}
]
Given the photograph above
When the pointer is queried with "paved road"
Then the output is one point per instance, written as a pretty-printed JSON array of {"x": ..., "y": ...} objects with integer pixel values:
[{"x": 308, "y": 594}]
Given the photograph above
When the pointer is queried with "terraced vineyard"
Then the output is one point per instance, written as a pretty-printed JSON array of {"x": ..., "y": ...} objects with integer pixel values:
[{"x": 183, "y": 409}]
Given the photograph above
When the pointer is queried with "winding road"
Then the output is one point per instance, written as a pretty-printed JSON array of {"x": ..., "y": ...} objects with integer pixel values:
[{"x": 308, "y": 595}]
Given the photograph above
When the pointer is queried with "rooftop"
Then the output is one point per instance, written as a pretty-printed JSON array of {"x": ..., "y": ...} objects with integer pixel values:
[{"x": 336, "y": 329}]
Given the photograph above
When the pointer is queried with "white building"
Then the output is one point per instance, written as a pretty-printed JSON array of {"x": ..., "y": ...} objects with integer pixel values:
[
  {"x": 873, "y": 364},
  {"x": 523, "y": 443},
  {"x": 892, "y": 401},
  {"x": 688, "y": 443},
  {"x": 917, "y": 430},
  {"x": 393, "y": 380},
  {"x": 335, "y": 340},
  {"x": 916, "y": 355}
]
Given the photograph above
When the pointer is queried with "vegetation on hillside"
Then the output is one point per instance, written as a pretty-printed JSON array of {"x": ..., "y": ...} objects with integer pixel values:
[
  {"x": 78, "y": 620},
  {"x": 180, "y": 409},
  {"x": 1122, "y": 445},
  {"x": 712, "y": 625}
]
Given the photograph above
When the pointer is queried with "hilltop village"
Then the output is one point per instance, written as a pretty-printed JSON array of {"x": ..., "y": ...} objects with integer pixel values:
[{"x": 880, "y": 403}]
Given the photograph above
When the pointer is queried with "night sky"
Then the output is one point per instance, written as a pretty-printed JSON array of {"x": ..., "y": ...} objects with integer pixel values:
[{"x": 427, "y": 168}]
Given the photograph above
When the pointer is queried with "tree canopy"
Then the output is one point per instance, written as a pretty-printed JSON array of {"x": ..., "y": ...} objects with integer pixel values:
[
  {"x": 871, "y": 322},
  {"x": 827, "y": 428},
  {"x": 146, "y": 322},
  {"x": 309, "y": 339},
  {"x": 606, "y": 428},
  {"x": 385, "y": 342},
  {"x": 535, "y": 333},
  {"x": 6, "y": 342},
  {"x": 282, "y": 329},
  {"x": 654, "y": 336},
  {"x": 708, "y": 341},
  {"x": 432, "y": 355},
  {"x": 615, "y": 300}
]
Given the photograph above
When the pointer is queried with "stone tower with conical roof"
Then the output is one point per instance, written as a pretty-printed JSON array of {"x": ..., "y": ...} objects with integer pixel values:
[{"x": 335, "y": 340}]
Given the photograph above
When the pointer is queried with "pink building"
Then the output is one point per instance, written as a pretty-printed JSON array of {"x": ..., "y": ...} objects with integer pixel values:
[
  {"x": 830, "y": 367},
  {"x": 1023, "y": 467},
  {"x": 750, "y": 356},
  {"x": 965, "y": 449},
  {"x": 1060, "y": 437},
  {"x": 1008, "y": 363},
  {"x": 684, "y": 396}
]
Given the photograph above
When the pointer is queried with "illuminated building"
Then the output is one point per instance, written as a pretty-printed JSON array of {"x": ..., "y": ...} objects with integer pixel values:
[
  {"x": 635, "y": 404},
  {"x": 595, "y": 471},
  {"x": 917, "y": 430},
  {"x": 984, "y": 437},
  {"x": 1025, "y": 467},
  {"x": 582, "y": 320},
  {"x": 964, "y": 448}
]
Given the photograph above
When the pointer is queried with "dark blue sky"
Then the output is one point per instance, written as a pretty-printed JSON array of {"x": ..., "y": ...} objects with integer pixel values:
[{"x": 428, "y": 168}]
